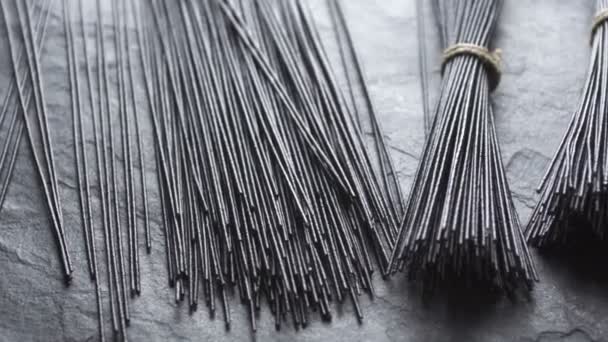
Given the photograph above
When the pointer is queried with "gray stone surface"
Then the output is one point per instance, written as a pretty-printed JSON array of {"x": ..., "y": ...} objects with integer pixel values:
[{"x": 545, "y": 50}]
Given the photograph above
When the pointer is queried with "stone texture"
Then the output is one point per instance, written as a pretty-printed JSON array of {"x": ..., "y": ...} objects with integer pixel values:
[{"x": 545, "y": 49}]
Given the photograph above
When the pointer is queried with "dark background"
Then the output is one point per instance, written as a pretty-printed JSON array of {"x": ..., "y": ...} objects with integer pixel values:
[{"x": 545, "y": 51}]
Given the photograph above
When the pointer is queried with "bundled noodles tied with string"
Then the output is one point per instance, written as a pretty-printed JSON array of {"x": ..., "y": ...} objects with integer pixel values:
[
  {"x": 574, "y": 188},
  {"x": 460, "y": 223}
]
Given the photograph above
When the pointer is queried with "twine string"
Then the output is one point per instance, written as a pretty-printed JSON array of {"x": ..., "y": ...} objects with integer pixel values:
[
  {"x": 598, "y": 20},
  {"x": 491, "y": 59}
]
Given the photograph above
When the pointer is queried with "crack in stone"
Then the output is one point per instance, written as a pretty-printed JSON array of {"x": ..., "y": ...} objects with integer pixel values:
[
  {"x": 529, "y": 202},
  {"x": 574, "y": 335}
]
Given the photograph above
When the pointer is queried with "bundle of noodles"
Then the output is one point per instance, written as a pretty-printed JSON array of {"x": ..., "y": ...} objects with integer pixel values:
[
  {"x": 460, "y": 223},
  {"x": 267, "y": 187},
  {"x": 574, "y": 188}
]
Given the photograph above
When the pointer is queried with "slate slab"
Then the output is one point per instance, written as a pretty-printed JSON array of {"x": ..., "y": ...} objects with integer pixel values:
[{"x": 545, "y": 51}]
